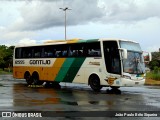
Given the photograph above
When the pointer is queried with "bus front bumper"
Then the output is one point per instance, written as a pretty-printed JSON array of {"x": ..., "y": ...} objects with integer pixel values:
[{"x": 131, "y": 82}]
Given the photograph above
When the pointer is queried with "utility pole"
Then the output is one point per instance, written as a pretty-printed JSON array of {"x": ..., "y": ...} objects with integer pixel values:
[{"x": 65, "y": 9}]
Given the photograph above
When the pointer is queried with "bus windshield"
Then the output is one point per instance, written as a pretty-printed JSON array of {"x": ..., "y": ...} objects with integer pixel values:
[{"x": 134, "y": 64}]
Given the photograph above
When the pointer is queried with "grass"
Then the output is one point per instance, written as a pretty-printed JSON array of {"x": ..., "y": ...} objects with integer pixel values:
[
  {"x": 152, "y": 82},
  {"x": 5, "y": 71},
  {"x": 152, "y": 78},
  {"x": 153, "y": 75}
]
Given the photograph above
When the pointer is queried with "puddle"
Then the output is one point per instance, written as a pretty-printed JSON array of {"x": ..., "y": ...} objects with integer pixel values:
[{"x": 75, "y": 97}]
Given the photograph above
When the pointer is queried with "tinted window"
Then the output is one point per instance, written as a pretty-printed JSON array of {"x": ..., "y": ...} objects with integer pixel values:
[
  {"x": 112, "y": 57},
  {"x": 64, "y": 50}
]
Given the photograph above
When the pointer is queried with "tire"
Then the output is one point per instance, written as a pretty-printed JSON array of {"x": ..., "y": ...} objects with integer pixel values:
[
  {"x": 35, "y": 78},
  {"x": 94, "y": 83},
  {"x": 114, "y": 87},
  {"x": 28, "y": 78}
]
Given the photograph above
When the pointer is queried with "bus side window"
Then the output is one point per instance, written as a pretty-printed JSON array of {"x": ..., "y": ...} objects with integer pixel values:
[
  {"x": 37, "y": 55},
  {"x": 85, "y": 51},
  {"x": 26, "y": 52},
  {"x": 70, "y": 51},
  {"x": 50, "y": 54},
  {"x": 94, "y": 50},
  {"x": 54, "y": 53},
  {"x": 58, "y": 54},
  {"x": 112, "y": 57},
  {"x": 29, "y": 55},
  {"x": 64, "y": 53},
  {"x": 18, "y": 53},
  {"x": 45, "y": 54},
  {"x": 75, "y": 53},
  {"x": 80, "y": 53}
]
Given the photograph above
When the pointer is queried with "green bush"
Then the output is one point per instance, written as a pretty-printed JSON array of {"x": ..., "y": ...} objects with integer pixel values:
[
  {"x": 155, "y": 75},
  {"x": 156, "y": 70}
]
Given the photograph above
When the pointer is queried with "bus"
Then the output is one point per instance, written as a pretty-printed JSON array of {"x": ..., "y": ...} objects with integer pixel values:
[{"x": 97, "y": 62}]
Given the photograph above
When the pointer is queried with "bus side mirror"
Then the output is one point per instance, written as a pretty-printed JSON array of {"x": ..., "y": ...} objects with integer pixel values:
[
  {"x": 150, "y": 56},
  {"x": 147, "y": 57},
  {"x": 124, "y": 53}
]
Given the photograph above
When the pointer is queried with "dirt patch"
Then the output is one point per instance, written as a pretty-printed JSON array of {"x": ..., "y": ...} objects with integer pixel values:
[{"x": 152, "y": 82}]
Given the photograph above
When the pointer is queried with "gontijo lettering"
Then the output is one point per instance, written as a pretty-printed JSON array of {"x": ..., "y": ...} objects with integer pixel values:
[{"x": 39, "y": 62}]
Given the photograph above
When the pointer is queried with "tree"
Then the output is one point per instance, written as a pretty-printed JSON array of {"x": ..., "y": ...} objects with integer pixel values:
[
  {"x": 153, "y": 64},
  {"x": 6, "y": 56},
  {"x": 155, "y": 60}
]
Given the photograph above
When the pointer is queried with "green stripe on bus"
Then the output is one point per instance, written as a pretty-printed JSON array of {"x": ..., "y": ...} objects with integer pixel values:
[
  {"x": 64, "y": 69},
  {"x": 74, "y": 68},
  {"x": 69, "y": 69}
]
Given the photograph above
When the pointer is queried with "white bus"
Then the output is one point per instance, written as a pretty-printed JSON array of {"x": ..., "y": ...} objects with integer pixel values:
[{"x": 96, "y": 62}]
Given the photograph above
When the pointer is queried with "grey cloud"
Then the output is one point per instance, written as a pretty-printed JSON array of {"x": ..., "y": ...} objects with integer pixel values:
[
  {"x": 38, "y": 15},
  {"x": 131, "y": 10},
  {"x": 41, "y": 15}
]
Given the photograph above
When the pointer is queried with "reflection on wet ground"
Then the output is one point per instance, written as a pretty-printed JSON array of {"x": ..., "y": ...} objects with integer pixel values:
[
  {"x": 20, "y": 95},
  {"x": 16, "y": 96}
]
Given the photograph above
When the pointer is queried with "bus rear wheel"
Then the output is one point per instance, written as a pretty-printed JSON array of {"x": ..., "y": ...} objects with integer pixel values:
[
  {"x": 94, "y": 83},
  {"x": 28, "y": 78},
  {"x": 35, "y": 78}
]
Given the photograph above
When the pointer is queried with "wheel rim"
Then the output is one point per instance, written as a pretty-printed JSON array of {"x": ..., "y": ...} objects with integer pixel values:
[{"x": 94, "y": 83}]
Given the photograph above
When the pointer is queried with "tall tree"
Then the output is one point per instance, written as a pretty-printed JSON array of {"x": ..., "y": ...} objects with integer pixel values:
[{"x": 6, "y": 54}]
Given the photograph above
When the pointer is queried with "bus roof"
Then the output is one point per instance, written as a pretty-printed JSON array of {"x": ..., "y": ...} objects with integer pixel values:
[
  {"x": 117, "y": 39},
  {"x": 75, "y": 40}
]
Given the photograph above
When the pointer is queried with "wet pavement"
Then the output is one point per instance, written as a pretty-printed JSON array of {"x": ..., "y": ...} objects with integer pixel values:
[{"x": 76, "y": 99}]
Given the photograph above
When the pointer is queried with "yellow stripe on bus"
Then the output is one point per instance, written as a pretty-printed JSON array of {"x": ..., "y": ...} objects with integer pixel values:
[
  {"x": 57, "y": 66},
  {"x": 72, "y": 41},
  {"x": 50, "y": 73},
  {"x": 45, "y": 73}
]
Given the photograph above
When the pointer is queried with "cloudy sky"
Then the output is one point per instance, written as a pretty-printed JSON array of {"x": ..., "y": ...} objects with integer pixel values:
[{"x": 34, "y": 21}]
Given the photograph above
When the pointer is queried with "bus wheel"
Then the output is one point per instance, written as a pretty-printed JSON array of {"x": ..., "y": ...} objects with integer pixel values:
[
  {"x": 114, "y": 87},
  {"x": 36, "y": 80},
  {"x": 28, "y": 78},
  {"x": 94, "y": 82}
]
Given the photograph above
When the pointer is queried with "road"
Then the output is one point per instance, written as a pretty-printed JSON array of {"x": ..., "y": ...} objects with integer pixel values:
[{"x": 77, "y": 100}]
